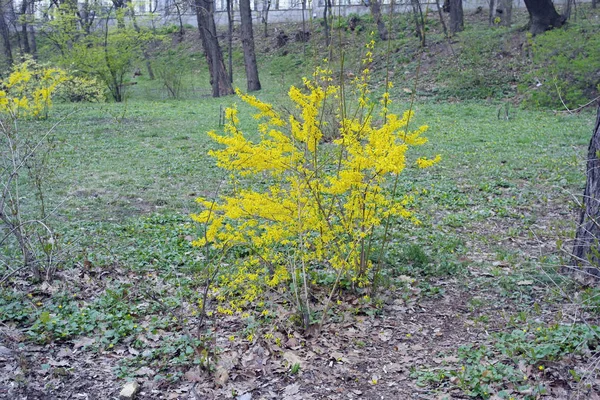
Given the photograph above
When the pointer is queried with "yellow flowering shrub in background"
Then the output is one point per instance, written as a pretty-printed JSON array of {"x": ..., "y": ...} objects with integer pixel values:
[
  {"x": 323, "y": 203},
  {"x": 28, "y": 90}
]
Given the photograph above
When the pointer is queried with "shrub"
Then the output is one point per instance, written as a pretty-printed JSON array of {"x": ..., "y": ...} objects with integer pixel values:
[
  {"x": 24, "y": 168},
  {"x": 77, "y": 89},
  {"x": 28, "y": 90},
  {"x": 324, "y": 205}
]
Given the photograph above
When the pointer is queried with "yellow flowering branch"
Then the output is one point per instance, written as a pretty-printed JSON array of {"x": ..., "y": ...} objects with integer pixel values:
[{"x": 325, "y": 201}]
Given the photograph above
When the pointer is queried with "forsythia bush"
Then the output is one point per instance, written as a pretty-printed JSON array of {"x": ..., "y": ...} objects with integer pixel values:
[
  {"x": 324, "y": 204},
  {"x": 28, "y": 90}
]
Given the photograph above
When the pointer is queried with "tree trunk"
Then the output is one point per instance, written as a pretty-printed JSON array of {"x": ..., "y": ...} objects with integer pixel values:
[
  {"x": 506, "y": 7},
  {"x": 24, "y": 33},
  {"x": 542, "y": 16},
  {"x": 500, "y": 12},
  {"x": 456, "y": 17},
  {"x": 32, "y": 39},
  {"x": 326, "y": 22},
  {"x": 586, "y": 249},
  {"x": 180, "y": 19},
  {"x": 248, "y": 46},
  {"x": 120, "y": 9},
  {"x": 419, "y": 21},
  {"x": 144, "y": 49},
  {"x": 33, "y": 42},
  {"x": 444, "y": 28},
  {"x": 267, "y": 7},
  {"x": 304, "y": 26},
  {"x": 230, "y": 38},
  {"x": 210, "y": 43},
  {"x": 4, "y": 31},
  {"x": 375, "y": 6}
]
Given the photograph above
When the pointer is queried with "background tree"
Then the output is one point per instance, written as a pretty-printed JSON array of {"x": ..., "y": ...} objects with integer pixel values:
[
  {"x": 248, "y": 46},
  {"x": 500, "y": 12},
  {"x": 23, "y": 22},
  {"x": 5, "y": 33},
  {"x": 375, "y": 7},
  {"x": 327, "y": 16},
  {"x": 265, "y": 17},
  {"x": 457, "y": 23},
  {"x": 419, "y": 20},
  {"x": 229, "y": 6},
  {"x": 543, "y": 16},
  {"x": 586, "y": 250},
  {"x": 144, "y": 46},
  {"x": 221, "y": 85}
]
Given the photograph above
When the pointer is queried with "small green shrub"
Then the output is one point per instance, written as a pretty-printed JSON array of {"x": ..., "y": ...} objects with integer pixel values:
[
  {"x": 500, "y": 367},
  {"x": 76, "y": 89}
]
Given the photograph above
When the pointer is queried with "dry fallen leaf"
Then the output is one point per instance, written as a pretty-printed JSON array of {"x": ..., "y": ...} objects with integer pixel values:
[
  {"x": 525, "y": 283},
  {"x": 385, "y": 336},
  {"x": 83, "y": 342},
  {"x": 291, "y": 390},
  {"x": 292, "y": 359},
  {"x": 221, "y": 376},
  {"x": 392, "y": 368},
  {"x": 144, "y": 371},
  {"x": 336, "y": 355},
  {"x": 193, "y": 375}
]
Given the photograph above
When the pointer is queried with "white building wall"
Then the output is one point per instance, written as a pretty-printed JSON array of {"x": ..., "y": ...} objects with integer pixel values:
[{"x": 165, "y": 11}]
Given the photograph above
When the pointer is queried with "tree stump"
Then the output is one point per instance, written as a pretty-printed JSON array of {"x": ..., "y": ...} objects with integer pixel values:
[
  {"x": 281, "y": 39},
  {"x": 586, "y": 249}
]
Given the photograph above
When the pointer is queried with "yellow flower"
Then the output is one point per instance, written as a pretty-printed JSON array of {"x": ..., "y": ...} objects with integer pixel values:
[{"x": 425, "y": 163}]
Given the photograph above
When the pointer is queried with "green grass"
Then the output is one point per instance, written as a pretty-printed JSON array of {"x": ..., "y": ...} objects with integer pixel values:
[{"x": 115, "y": 161}]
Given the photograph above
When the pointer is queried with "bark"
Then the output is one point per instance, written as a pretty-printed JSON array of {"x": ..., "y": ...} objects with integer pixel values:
[
  {"x": 500, "y": 12},
  {"x": 32, "y": 38},
  {"x": 586, "y": 249},
  {"x": 13, "y": 22},
  {"x": 267, "y": 7},
  {"x": 221, "y": 86},
  {"x": 326, "y": 9},
  {"x": 456, "y": 16},
  {"x": 594, "y": 3},
  {"x": 33, "y": 42},
  {"x": 303, "y": 25},
  {"x": 24, "y": 30},
  {"x": 86, "y": 17},
  {"x": 419, "y": 21},
  {"x": 230, "y": 38},
  {"x": 543, "y": 16},
  {"x": 375, "y": 6},
  {"x": 247, "y": 36},
  {"x": 144, "y": 49},
  {"x": 506, "y": 7},
  {"x": 437, "y": 2},
  {"x": 120, "y": 8},
  {"x": 5, "y": 33},
  {"x": 180, "y": 19}
]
